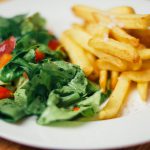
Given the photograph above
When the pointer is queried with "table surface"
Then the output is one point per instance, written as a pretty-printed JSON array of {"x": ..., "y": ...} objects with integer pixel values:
[{"x": 7, "y": 145}]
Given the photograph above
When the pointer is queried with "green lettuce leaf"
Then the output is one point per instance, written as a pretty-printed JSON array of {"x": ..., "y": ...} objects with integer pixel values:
[
  {"x": 88, "y": 107},
  {"x": 12, "y": 110}
]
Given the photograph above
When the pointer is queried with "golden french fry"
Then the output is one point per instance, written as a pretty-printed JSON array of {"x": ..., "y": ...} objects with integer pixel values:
[
  {"x": 95, "y": 74},
  {"x": 84, "y": 12},
  {"x": 103, "y": 80},
  {"x": 116, "y": 99},
  {"x": 82, "y": 38},
  {"x": 122, "y": 36},
  {"x": 122, "y": 10},
  {"x": 115, "y": 48},
  {"x": 91, "y": 57},
  {"x": 102, "y": 65},
  {"x": 141, "y": 46},
  {"x": 114, "y": 79},
  {"x": 97, "y": 29},
  {"x": 145, "y": 65},
  {"x": 142, "y": 35},
  {"x": 142, "y": 88},
  {"x": 76, "y": 53},
  {"x": 138, "y": 76},
  {"x": 127, "y": 21},
  {"x": 144, "y": 54},
  {"x": 77, "y": 25},
  {"x": 134, "y": 66}
]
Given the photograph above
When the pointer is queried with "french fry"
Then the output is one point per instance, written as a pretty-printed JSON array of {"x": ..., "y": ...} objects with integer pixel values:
[
  {"x": 115, "y": 48},
  {"x": 84, "y": 12},
  {"x": 141, "y": 46},
  {"x": 122, "y": 10},
  {"x": 114, "y": 79},
  {"x": 97, "y": 29},
  {"x": 145, "y": 65},
  {"x": 122, "y": 36},
  {"x": 102, "y": 65},
  {"x": 144, "y": 54},
  {"x": 138, "y": 76},
  {"x": 142, "y": 35},
  {"x": 82, "y": 38},
  {"x": 76, "y": 54},
  {"x": 116, "y": 99},
  {"x": 134, "y": 66},
  {"x": 103, "y": 80},
  {"x": 132, "y": 21},
  {"x": 91, "y": 57},
  {"x": 95, "y": 74},
  {"x": 142, "y": 88}
]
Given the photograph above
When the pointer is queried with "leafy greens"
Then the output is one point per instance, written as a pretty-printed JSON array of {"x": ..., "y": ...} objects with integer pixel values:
[{"x": 54, "y": 90}]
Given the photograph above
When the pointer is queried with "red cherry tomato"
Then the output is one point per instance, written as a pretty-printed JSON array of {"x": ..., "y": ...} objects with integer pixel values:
[
  {"x": 39, "y": 56},
  {"x": 8, "y": 45},
  {"x": 53, "y": 44},
  {"x": 5, "y": 93}
]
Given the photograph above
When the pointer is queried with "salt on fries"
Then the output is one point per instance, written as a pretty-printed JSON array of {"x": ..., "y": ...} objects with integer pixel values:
[{"x": 112, "y": 46}]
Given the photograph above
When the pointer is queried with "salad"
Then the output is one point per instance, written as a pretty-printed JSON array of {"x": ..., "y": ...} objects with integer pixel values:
[{"x": 36, "y": 78}]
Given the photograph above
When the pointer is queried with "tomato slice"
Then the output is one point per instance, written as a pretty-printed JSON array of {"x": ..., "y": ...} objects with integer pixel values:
[
  {"x": 8, "y": 46},
  {"x": 53, "y": 44},
  {"x": 5, "y": 93},
  {"x": 39, "y": 56}
]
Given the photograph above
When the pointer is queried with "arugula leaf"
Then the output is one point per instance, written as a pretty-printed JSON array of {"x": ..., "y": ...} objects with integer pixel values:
[
  {"x": 20, "y": 25},
  {"x": 10, "y": 26}
]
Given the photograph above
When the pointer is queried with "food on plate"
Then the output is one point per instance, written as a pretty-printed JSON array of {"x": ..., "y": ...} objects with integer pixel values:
[
  {"x": 37, "y": 80},
  {"x": 127, "y": 21},
  {"x": 118, "y": 38},
  {"x": 103, "y": 80},
  {"x": 143, "y": 35},
  {"x": 115, "y": 48},
  {"x": 122, "y": 10},
  {"x": 116, "y": 99},
  {"x": 77, "y": 54},
  {"x": 142, "y": 88},
  {"x": 122, "y": 36},
  {"x": 94, "y": 63},
  {"x": 114, "y": 79}
]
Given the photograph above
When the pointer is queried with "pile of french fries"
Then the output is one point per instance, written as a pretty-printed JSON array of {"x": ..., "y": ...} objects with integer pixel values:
[{"x": 111, "y": 46}]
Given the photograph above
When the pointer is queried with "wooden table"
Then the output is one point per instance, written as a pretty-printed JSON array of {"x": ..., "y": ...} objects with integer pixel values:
[{"x": 7, "y": 145}]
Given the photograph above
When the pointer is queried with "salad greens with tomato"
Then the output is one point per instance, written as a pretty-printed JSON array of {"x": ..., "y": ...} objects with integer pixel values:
[{"x": 36, "y": 79}]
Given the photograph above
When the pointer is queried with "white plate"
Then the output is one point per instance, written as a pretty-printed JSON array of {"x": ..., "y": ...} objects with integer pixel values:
[{"x": 134, "y": 128}]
